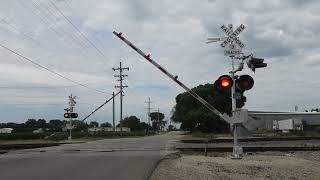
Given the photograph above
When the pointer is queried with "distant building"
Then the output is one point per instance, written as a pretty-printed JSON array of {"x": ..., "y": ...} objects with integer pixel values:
[
  {"x": 267, "y": 120},
  {"x": 6, "y": 130},
  {"x": 288, "y": 125}
]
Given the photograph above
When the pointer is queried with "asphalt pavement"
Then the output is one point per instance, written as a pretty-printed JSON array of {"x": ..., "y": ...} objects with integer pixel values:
[{"x": 125, "y": 158}]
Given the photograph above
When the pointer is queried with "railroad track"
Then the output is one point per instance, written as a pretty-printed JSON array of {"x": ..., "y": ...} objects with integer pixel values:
[
  {"x": 252, "y": 139},
  {"x": 249, "y": 148}
]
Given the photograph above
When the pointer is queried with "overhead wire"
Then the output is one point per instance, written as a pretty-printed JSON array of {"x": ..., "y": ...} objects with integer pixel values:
[
  {"x": 51, "y": 20},
  {"x": 78, "y": 30},
  {"x": 44, "y": 87},
  {"x": 55, "y": 19},
  {"x": 101, "y": 44},
  {"x": 53, "y": 72},
  {"x": 25, "y": 35}
]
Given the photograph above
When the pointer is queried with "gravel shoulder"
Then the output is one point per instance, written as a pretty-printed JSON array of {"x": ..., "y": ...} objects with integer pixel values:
[{"x": 264, "y": 165}]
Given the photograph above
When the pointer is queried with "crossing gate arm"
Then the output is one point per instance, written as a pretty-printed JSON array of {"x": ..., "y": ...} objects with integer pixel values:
[{"x": 174, "y": 78}]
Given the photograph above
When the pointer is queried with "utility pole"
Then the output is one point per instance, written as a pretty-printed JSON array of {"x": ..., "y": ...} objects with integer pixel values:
[
  {"x": 113, "y": 121},
  {"x": 159, "y": 116},
  {"x": 120, "y": 76},
  {"x": 149, "y": 108},
  {"x": 72, "y": 104}
]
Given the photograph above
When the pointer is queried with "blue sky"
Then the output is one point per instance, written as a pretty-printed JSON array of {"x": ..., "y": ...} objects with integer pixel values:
[{"x": 285, "y": 33}]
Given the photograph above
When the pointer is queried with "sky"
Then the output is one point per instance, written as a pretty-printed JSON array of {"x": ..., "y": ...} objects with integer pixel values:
[{"x": 284, "y": 33}]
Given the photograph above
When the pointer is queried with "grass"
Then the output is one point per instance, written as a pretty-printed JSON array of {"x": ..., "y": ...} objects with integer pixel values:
[{"x": 61, "y": 136}]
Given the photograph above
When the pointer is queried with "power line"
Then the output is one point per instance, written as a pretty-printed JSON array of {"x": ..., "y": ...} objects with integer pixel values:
[
  {"x": 77, "y": 29},
  {"x": 52, "y": 20},
  {"x": 102, "y": 45},
  {"x": 64, "y": 31},
  {"x": 46, "y": 20},
  {"x": 43, "y": 87},
  {"x": 39, "y": 65}
]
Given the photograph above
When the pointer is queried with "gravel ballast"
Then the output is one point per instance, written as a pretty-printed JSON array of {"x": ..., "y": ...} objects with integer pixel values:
[{"x": 269, "y": 165}]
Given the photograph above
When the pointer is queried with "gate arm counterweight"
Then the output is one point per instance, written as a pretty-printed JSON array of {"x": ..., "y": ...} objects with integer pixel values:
[{"x": 174, "y": 78}]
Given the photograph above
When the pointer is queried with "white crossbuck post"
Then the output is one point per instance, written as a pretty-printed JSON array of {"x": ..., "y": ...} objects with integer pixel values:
[{"x": 232, "y": 47}]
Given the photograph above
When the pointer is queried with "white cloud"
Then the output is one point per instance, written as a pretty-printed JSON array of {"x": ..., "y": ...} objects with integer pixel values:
[{"x": 285, "y": 33}]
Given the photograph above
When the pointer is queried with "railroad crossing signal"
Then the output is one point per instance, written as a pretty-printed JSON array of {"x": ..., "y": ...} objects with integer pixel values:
[{"x": 70, "y": 115}]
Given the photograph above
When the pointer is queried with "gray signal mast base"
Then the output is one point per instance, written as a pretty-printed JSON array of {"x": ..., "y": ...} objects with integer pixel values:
[{"x": 237, "y": 149}]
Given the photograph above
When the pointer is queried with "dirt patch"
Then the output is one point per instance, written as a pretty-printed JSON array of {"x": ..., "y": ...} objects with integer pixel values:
[{"x": 257, "y": 166}]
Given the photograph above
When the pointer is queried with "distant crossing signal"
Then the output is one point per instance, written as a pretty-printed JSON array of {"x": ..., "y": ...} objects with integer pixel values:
[{"x": 70, "y": 115}]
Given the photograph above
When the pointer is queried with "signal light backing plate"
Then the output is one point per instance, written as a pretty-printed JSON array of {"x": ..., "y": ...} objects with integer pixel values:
[{"x": 245, "y": 82}]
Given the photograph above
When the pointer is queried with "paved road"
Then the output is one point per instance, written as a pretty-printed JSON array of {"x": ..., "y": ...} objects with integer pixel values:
[{"x": 127, "y": 158}]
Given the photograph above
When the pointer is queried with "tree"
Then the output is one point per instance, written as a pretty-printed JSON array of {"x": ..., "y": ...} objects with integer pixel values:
[
  {"x": 31, "y": 123},
  {"x": 106, "y": 124},
  {"x": 93, "y": 124},
  {"x": 171, "y": 128},
  {"x": 194, "y": 116},
  {"x": 41, "y": 123},
  {"x": 157, "y": 120},
  {"x": 55, "y": 125},
  {"x": 144, "y": 126},
  {"x": 133, "y": 123},
  {"x": 79, "y": 125}
]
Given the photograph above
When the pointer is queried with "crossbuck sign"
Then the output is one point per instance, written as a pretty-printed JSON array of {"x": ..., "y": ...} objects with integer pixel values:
[{"x": 232, "y": 40}]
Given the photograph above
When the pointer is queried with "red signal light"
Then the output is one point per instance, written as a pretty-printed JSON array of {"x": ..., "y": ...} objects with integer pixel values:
[
  {"x": 225, "y": 81},
  {"x": 66, "y": 115},
  {"x": 70, "y": 115}
]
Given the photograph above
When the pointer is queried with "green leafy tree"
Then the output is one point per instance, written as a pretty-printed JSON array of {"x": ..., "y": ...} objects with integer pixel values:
[
  {"x": 131, "y": 122},
  {"x": 172, "y": 128},
  {"x": 55, "y": 125},
  {"x": 41, "y": 123},
  {"x": 106, "y": 124},
  {"x": 93, "y": 124},
  {"x": 32, "y": 123},
  {"x": 79, "y": 125},
  {"x": 194, "y": 116},
  {"x": 144, "y": 126},
  {"x": 134, "y": 124},
  {"x": 157, "y": 120}
]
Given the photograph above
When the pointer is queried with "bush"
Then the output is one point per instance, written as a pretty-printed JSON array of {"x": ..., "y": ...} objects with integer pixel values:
[{"x": 21, "y": 136}]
